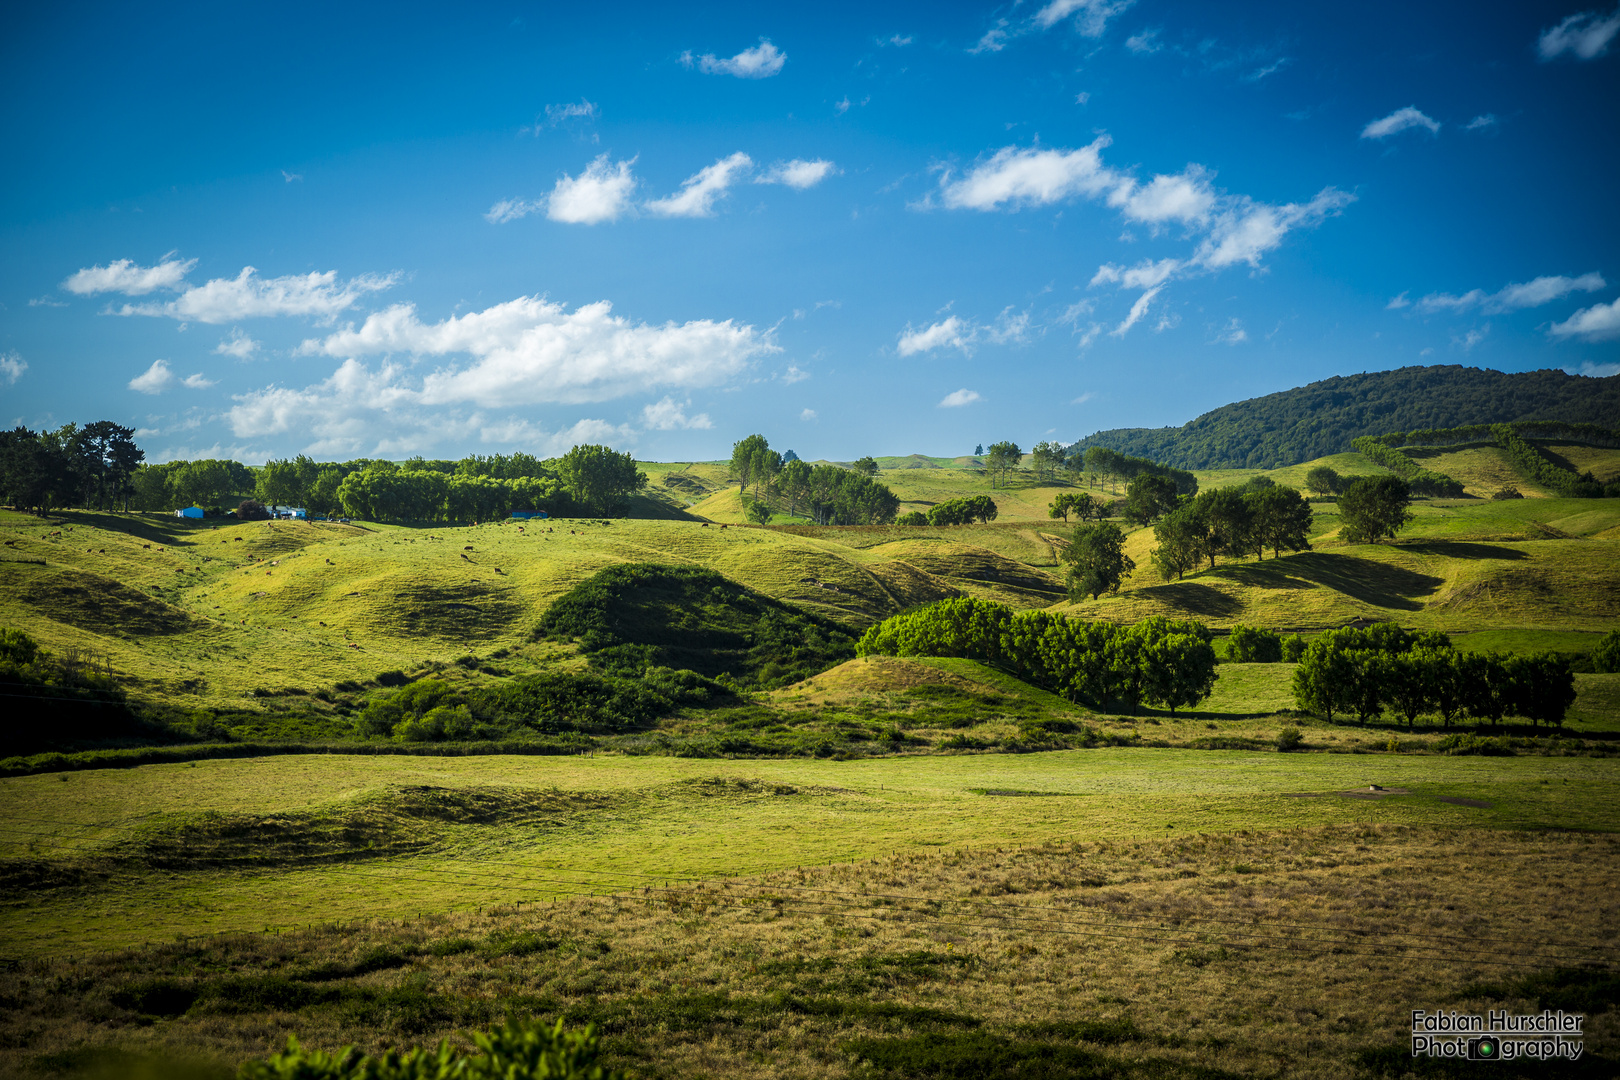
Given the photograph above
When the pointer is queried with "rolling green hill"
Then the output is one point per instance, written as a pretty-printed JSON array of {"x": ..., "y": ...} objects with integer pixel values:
[{"x": 1321, "y": 418}]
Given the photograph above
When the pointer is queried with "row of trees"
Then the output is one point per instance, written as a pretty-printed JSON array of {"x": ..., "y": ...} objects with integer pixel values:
[
  {"x": 1233, "y": 522},
  {"x": 1159, "y": 661},
  {"x": 1422, "y": 481},
  {"x": 1364, "y": 672},
  {"x": 93, "y": 466},
  {"x": 827, "y": 494},
  {"x": 963, "y": 511}
]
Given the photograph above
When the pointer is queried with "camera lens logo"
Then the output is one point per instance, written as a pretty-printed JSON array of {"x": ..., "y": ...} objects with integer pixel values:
[{"x": 1484, "y": 1048}]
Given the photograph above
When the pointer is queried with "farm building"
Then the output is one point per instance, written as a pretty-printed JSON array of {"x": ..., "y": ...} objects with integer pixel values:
[
  {"x": 528, "y": 515},
  {"x": 193, "y": 512}
]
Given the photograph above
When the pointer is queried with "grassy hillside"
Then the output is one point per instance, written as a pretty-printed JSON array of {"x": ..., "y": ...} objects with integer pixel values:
[{"x": 1323, "y": 417}]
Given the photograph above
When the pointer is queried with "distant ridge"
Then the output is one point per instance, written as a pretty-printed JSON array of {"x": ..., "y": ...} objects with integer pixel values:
[{"x": 1322, "y": 418}]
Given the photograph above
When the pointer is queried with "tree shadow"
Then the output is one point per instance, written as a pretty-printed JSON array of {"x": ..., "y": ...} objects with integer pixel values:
[
  {"x": 1366, "y": 580},
  {"x": 1192, "y": 598},
  {"x": 1451, "y": 549}
]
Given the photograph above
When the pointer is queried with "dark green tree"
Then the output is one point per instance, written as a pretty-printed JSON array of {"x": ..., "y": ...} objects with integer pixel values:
[
  {"x": 1282, "y": 519},
  {"x": 1183, "y": 540},
  {"x": 1097, "y": 560},
  {"x": 1004, "y": 457},
  {"x": 746, "y": 455},
  {"x": 600, "y": 479},
  {"x": 1148, "y": 498},
  {"x": 866, "y": 466},
  {"x": 1373, "y": 508},
  {"x": 1324, "y": 480},
  {"x": 1606, "y": 655},
  {"x": 1047, "y": 458}
]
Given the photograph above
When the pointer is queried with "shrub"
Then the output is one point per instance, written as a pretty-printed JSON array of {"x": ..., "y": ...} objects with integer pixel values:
[
  {"x": 252, "y": 510},
  {"x": 1293, "y": 648},
  {"x": 1250, "y": 645},
  {"x": 1462, "y": 743},
  {"x": 914, "y": 517},
  {"x": 1288, "y": 739},
  {"x": 1606, "y": 657},
  {"x": 1509, "y": 492},
  {"x": 17, "y": 647}
]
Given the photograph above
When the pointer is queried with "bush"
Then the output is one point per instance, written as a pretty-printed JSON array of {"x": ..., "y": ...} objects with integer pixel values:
[
  {"x": 1509, "y": 492},
  {"x": 1463, "y": 743},
  {"x": 252, "y": 510},
  {"x": 1293, "y": 648},
  {"x": 518, "y": 1051},
  {"x": 1288, "y": 739},
  {"x": 17, "y": 647},
  {"x": 1250, "y": 645},
  {"x": 1606, "y": 657},
  {"x": 914, "y": 517}
]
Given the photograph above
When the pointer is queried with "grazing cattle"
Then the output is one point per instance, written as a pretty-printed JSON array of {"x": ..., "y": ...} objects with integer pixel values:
[
  {"x": 465, "y": 557},
  {"x": 146, "y": 545},
  {"x": 467, "y": 548}
]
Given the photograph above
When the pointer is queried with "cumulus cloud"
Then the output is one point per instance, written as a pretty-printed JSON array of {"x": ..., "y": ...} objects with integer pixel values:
[
  {"x": 1541, "y": 290},
  {"x": 530, "y": 351},
  {"x": 994, "y": 39},
  {"x": 248, "y": 296},
  {"x": 794, "y": 374},
  {"x": 238, "y": 345},
  {"x": 600, "y": 193},
  {"x": 1482, "y": 122},
  {"x": 797, "y": 173},
  {"x": 1397, "y": 302},
  {"x": 808, "y": 415},
  {"x": 1472, "y": 338},
  {"x": 1600, "y": 322},
  {"x": 1014, "y": 178},
  {"x": 1187, "y": 197},
  {"x": 1595, "y": 371},
  {"x": 699, "y": 191},
  {"x": 124, "y": 276},
  {"x": 1232, "y": 333},
  {"x": 958, "y": 398},
  {"x": 1145, "y": 42},
  {"x": 154, "y": 380},
  {"x": 669, "y": 414},
  {"x": 1090, "y": 16},
  {"x": 198, "y": 381},
  {"x": 12, "y": 366},
  {"x": 897, "y": 41},
  {"x": 760, "y": 62},
  {"x": 1398, "y": 121},
  {"x": 954, "y": 333},
  {"x": 1245, "y": 230},
  {"x": 1585, "y": 36}
]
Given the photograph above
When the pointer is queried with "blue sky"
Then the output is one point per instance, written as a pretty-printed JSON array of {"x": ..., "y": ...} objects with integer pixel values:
[{"x": 260, "y": 230}]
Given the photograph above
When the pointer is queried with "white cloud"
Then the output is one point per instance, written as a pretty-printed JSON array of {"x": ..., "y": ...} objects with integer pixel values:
[
  {"x": 238, "y": 345},
  {"x": 1397, "y": 302},
  {"x": 1472, "y": 338},
  {"x": 12, "y": 366},
  {"x": 1541, "y": 290},
  {"x": 1246, "y": 229},
  {"x": 958, "y": 398},
  {"x": 124, "y": 276},
  {"x": 1082, "y": 97},
  {"x": 668, "y": 414},
  {"x": 1033, "y": 177},
  {"x": 1090, "y": 16},
  {"x": 1008, "y": 327},
  {"x": 760, "y": 62},
  {"x": 154, "y": 380},
  {"x": 808, "y": 415},
  {"x": 797, "y": 173},
  {"x": 1138, "y": 310},
  {"x": 511, "y": 210},
  {"x": 699, "y": 192},
  {"x": 1586, "y": 36},
  {"x": 1270, "y": 69},
  {"x": 1083, "y": 398},
  {"x": 1144, "y": 275},
  {"x": 580, "y": 110},
  {"x": 1187, "y": 197},
  {"x": 994, "y": 39},
  {"x": 600, "y": 193},
  {"x": 1596, "y": 371},
  {"x": 954, "y": 333},
  {"x": 1600, "y": 322},
  {"x": 794, "y": 374},
  {"x": 1089, "y": 336},
  {"x": 247, "y": 296},
  {"x": 1145, "y": 42},
  {"x": 531, "y": 351},
  {"x": 46, "y": 301},
  {"x": 291, "y": 177},
  {"x": 897, "y": 41},
  {"x": 197, "y": 382},
  {"x": 1398, "y": 121},
  {"x": 1232, "y": 333},
  {"x": 1483, "y": 122}
]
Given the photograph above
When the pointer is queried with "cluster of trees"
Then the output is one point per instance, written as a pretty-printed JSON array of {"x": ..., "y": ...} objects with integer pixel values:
[
  {"x": 963, "y": 511},
  {"x": 1322, "y": 418},
  {"x": 827, "y": 494},
  {"x": 1422, "y": 481},
  {"x": 1533, "y": 463},
  {"x": 1365, "y": 672},
  {"x": 1232, "y": 522},
  {"x": 92, "y": 466},
  {"x": 1083, "y": 506},
  {"x": 1256, "y": 645},
  {"x": 1159, "y": 661}
]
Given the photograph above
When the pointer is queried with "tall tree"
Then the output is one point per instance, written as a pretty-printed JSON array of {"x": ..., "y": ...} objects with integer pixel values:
[
  {"x": 1183, "y": 540},
  {"x": 1097, "y": 560},
  {"x": 1003, "y": 458},
  {"x": 1373, "y": 508},
  {"x": 1047, "y": 458},
  {"x": 793, "y": 482},
  {"x": 599, "y": 478},
  {"x": 1148, "y": 498},
  {"x": 866, "y": 466},
  {"x": 1230, "y": 522},
  {"x": 1324, "y": 480},
  {"x": 746, "y": 455},
  {"x": 1282, "y": 519}
]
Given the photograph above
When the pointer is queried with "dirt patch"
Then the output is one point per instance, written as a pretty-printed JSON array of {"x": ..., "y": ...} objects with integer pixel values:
[{"x": 1458, "y": 800}]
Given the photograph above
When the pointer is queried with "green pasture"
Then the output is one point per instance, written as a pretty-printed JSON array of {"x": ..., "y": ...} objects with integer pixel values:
[{"x": 120, "y": 857}]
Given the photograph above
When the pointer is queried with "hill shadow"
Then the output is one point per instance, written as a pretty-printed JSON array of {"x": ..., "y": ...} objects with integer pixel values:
[
  {"x": 1454, "y": 549},
  {"x": 1375, "y": 583},
  {"x": 1192, "y": 598}
]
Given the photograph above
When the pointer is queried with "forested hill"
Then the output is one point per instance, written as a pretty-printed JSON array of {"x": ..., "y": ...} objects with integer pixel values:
[{"x": 1313, "y": 421}]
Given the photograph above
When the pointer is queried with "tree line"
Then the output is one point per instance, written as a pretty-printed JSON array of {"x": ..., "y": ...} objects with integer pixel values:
[
  {"x": 1159, "y": 661},
  {"x": 1422, "y": 481},
  {"x": 827, "y": 494},
  {"x": 1364, "y": 672},
  {"x": 93, "y": 466}
]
